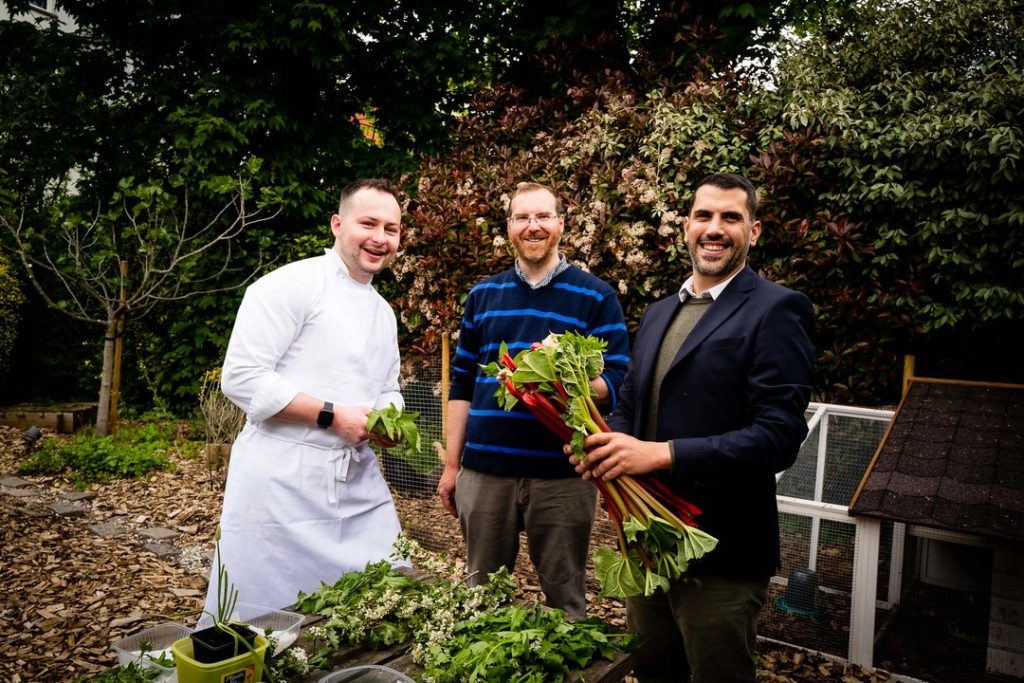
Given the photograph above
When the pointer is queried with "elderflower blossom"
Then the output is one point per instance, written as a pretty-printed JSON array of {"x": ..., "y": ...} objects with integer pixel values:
[{"x": 317, "y": 633}]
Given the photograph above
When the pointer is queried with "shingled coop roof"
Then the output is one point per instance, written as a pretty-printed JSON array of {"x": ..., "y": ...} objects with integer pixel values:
[{"x": 953, "y": 459}]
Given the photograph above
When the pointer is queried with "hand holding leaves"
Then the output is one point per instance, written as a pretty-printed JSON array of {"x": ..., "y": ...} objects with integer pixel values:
[{"x": 391, "y": 427}]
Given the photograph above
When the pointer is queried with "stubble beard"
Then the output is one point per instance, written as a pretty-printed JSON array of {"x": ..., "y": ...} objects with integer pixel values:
[
  {"x": 532, "y": 253},
  {"x": 721, "y": 267}
]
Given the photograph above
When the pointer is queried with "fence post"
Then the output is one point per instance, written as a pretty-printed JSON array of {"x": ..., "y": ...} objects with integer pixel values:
[
  {"x": 865, "y": 588},
  {"x": 445, "y": 382}
]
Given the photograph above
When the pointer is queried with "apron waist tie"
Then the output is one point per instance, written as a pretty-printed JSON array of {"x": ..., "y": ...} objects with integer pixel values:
[{"x": 339, "y": 460}]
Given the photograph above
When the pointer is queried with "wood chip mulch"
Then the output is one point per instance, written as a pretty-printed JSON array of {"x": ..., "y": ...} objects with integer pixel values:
[{"x": 68, "y": 593}]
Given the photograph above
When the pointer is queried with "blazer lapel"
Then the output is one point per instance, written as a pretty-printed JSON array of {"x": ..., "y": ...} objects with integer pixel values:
[{"x": 734, "y": 296}]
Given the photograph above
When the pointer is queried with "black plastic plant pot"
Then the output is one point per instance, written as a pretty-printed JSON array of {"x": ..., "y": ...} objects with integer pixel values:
[{"x": 215, "y": 644}]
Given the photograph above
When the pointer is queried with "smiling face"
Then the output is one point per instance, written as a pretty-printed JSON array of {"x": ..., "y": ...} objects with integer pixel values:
[
  {"x": 536, "y": 241},
  {"x": 719, "y": 233},
  {"x": 366, "y": 232}
]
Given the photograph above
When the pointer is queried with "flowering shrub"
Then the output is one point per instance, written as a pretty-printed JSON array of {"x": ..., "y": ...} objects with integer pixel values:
[{"x": 887, "y": 161}]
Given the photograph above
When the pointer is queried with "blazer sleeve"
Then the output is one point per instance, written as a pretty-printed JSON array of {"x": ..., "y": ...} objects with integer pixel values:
[{"x": 769, "y": 423}]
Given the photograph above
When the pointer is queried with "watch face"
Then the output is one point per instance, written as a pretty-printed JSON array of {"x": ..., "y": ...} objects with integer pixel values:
[{"x": 326, "y": 416}]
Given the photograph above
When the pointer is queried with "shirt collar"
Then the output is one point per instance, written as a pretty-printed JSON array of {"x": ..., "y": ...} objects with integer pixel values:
[
  {"x": 336, "y": 265},
  {"x": 544, "y": 281},
  {"x": 686, "y": 291}
]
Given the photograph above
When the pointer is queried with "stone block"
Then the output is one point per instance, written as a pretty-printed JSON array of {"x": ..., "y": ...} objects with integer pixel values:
[
  {"x": 23, "y": 492},
  {"x": 158, "y": 533},
  {"x": 65, "y": 509},
  {"x": 108, "y": 528},
  {"x": 164, "y": 550}
]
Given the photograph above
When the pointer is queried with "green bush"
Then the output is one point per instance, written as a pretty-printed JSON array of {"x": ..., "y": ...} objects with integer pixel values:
[
  {"x": 888, "y": 160},
  {"x": 11, "y": 299},
  {"x": 133, "y": 451}
]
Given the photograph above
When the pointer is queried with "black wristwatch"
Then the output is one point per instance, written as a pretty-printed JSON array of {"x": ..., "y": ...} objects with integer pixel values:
[{"x": 326, "y": 416}]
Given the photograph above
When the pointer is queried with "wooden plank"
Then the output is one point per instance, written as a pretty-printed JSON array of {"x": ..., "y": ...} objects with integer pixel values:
[{"x": 65, "y": 418}]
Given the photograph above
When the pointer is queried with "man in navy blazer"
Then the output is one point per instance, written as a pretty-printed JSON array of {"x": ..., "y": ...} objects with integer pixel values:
[{"x": 714, "y": 401}]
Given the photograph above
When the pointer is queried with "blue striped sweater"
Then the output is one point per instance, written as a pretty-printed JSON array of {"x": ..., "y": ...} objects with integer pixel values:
[{"x": 503, "y": 308}]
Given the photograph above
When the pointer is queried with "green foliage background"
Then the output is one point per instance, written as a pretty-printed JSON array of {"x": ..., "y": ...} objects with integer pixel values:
[
  {"x": 887, "y": 152},
  {"x": 11, "y": 299},
  {"x": 885, "y": 138}
]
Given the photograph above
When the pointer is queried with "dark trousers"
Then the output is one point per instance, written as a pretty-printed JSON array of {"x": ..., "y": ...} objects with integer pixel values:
[
  {"x": 703, "y": 630},
  {"x": 557, "y": 515}
]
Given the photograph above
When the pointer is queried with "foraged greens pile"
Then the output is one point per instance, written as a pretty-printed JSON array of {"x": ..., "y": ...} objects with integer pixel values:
[
  {"x": 656, "y": 528},
  {"x": 458, "y": 633}
]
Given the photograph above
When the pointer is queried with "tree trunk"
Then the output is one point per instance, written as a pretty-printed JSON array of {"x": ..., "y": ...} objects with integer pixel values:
[{"x": 106, "y": 376}]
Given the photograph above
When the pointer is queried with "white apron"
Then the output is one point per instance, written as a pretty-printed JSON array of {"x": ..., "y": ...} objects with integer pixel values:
[
  {"x": 301, "y": 506},
  {"x": 296, "y": 516}
]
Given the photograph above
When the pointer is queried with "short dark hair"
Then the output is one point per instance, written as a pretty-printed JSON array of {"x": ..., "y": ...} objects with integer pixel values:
[
  {"x": 367, "y": 184},
  {"x": 523, "y": 188},
  {"x": 730, "y": 181}
]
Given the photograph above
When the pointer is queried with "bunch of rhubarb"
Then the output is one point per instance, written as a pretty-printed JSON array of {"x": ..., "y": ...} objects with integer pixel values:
[{"x": 657, "y": 530}]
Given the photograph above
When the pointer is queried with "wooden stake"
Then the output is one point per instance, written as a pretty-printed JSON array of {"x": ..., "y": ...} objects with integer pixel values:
[
  {"x": 445, "y": 383},
  {"x": 115, "y": 390},
  {"x": 908, "y": 372}
]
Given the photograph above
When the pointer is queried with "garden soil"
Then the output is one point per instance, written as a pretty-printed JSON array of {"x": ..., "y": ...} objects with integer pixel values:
[{"x": 79, "y": 573}]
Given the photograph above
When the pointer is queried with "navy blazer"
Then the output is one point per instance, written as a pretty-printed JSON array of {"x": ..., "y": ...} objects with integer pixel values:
[{"x": 732, "y": 403}]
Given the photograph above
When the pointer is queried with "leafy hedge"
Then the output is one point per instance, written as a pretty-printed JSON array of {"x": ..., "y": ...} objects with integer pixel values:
[
  {"x": 886, "y": 153},
  {"x": 11, "y": 298}
]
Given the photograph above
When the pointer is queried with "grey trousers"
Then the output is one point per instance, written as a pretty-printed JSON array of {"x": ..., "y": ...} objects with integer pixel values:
[
  {"x": 704, "y": 630},
  {"x": 557, "y": 515}
]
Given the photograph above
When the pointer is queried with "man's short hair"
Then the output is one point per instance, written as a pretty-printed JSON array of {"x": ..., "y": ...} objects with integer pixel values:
[
  {"x": 523, "y": 188},
  {"x": 731, "y": 181},
  {"x": 366, "y": 184}
]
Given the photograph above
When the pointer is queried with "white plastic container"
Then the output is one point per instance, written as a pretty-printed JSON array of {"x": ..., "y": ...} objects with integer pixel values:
[
  {"x": 370, "y": 673},
  {"x": 283, "y": 626},
  {"x": 158, "y": 641}
]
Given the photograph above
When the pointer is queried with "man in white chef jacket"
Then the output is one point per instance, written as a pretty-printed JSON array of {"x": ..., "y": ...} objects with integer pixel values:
[{"x": 314, "y": 349}]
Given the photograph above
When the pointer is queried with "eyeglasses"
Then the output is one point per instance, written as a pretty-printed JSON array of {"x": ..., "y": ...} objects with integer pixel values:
[{"x": 521, "y": 220}]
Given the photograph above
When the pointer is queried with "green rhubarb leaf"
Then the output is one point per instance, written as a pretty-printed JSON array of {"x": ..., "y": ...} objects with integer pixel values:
[
  {"x": 698, "y": 542},
  {"x": 577, "y": 418},
  {"x": 534, "y": 367},
  {"x": 653, "y": 581},
  {"x": 661, "y": 536},
  {"x": 633, "y": 528},
  {"x": 619, "y": 576},
  {"x": 577, "y": 445},
  {"x": 578, "y": 359}
]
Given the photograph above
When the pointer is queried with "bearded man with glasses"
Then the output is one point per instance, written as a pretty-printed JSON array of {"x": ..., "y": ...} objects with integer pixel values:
[{"x": 504, "y": 471}]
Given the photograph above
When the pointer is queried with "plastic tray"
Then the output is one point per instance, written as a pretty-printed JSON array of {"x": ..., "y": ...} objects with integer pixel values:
[
  {"x": 283, "y": 626},
  {"x": 370, "y": 673},
  {"x": 160, "y": 638}
]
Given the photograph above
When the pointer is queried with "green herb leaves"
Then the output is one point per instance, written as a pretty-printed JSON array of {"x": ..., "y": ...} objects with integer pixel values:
[
  {"x": 523, "y": 644},
  {"x": 396, "y": 429},
  {"x": 458, "y": 633}
]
